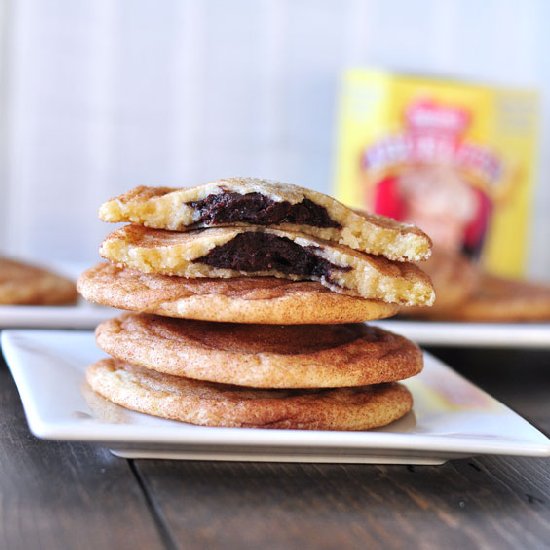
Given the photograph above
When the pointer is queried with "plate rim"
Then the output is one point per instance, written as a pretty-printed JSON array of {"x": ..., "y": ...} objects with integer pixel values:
[{"x": 467, "y": 334}]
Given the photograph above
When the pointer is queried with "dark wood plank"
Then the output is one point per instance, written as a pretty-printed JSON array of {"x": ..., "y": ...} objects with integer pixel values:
[
  {"x": 63, "y": 495},
  {"x": 486, "y": 502}
]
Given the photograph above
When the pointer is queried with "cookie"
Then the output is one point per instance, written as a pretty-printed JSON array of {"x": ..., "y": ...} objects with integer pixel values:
[
  {"x": 263, "y": 252},
  {"x": 261, "y": 356},
  {"x": 24, "y": 284},
  {"x": 454, "y": 278},
  {"x": 244, "y": 201},
  {"x": 209, "y": 404},
  {"x": 501, "y": 300},
  {"x": 242, "y": 300}
]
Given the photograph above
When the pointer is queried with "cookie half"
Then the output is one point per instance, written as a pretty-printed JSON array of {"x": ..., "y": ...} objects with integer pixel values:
[
  {"x": 209, "y": 404},
  {"x": 261, "y": 356},
  {"x": 263, "y": 300},
  {"x": 262, "y": 252},
  {"x": 244, "y": 201},
  {"x": 25, "y": 284},
  {"x": 501, "y": 300}
]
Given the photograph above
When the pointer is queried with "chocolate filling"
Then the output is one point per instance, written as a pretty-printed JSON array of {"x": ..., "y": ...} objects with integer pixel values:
[
  {"x": 258, "y": 209},
  {"x": 256, "y": 251}
]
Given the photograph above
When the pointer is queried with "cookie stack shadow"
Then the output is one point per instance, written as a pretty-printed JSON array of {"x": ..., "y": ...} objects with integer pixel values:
[{"x": 257, "y": 322}]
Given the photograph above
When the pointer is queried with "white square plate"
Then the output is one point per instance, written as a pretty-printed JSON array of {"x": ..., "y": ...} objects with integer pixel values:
[
  {"x": 494, "y": 335},
  {"x": 452, "y": 417},
  {"x": 82, "y": 315}
]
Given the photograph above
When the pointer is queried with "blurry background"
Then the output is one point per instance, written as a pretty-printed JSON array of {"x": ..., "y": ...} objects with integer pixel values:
[{"x": 98, "y": 96}]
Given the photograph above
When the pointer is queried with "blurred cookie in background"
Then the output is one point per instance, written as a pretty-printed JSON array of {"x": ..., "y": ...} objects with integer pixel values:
[
  {"x": 466, "y": 293},
  {"x": 501, "y": 300},
  {"x": 25, "y": 284}
]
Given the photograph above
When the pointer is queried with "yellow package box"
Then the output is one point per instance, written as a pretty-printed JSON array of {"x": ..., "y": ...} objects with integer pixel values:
[{"x": 455, "y": 158}]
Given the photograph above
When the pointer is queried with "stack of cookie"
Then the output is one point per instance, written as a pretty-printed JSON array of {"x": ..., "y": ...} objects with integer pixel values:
[{"x": 247, "y": 303}]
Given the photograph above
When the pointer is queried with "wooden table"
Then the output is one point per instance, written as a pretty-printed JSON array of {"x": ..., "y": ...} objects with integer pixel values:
[{"x": 70, "y": 495}]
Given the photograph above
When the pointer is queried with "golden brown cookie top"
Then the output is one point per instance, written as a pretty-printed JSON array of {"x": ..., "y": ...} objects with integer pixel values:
[
  {"x": 304, "y": 356},
  {"x": 235, "y": 338},
  {"x": 240, "y": 300},
  {"x": 210, "y": 404}
]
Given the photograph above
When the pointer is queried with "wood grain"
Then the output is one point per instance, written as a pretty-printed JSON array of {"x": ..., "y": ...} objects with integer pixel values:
[
  {"x": 476, "y": 503},
  {"x": 65, "y": 495},
  {"x": 489, "y": 503}
]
